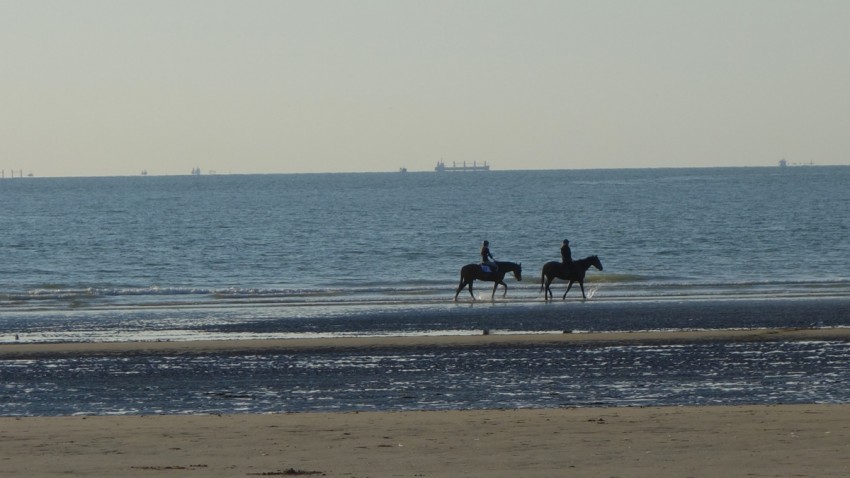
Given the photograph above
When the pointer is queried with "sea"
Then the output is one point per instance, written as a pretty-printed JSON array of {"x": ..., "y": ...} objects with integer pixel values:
[{"x": 227, "y": 257}]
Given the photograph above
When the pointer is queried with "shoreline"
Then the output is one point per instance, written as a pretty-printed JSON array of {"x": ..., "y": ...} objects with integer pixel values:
[
  {"x": 13, "y": 351},
  {"x": 703, "y": 441},
  {"x": 659, "y": 442}
]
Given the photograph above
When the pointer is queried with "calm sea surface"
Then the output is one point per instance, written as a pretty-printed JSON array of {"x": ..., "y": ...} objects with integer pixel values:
[{"x": 229, "y": 256}]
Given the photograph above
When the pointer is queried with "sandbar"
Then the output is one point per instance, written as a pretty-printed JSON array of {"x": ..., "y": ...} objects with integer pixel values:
[{"x": 39, "y": 350}]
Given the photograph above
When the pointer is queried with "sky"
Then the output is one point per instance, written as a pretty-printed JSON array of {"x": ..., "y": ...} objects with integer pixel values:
[{"x": 115, "y": 87}]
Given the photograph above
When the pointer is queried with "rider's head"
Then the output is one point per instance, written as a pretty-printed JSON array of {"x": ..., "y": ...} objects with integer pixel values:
[
  {"x": 486, "y": 243},
  {"x": 567, "y": 242}
]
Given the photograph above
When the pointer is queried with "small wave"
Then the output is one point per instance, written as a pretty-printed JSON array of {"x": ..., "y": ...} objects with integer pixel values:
[
  {"x": 157, "y": 296},
  {"x": 615, "y": 277},
  {"x": 598, "y": 287},
  {"x": 89, "y": 292}
]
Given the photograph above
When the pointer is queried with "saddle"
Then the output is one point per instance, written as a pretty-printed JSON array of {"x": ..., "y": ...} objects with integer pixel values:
[{"x": 486, "y": 268}]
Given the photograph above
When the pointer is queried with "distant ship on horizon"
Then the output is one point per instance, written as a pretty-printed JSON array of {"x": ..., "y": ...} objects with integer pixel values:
[
  {"x": 441, "y": 166},
  {"x": 783, "y": 163}
]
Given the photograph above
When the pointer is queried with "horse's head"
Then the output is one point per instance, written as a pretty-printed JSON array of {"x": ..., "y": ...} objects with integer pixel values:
[
  {"x": 518, "y": 272},
  {"x": 595, "y": 262}
]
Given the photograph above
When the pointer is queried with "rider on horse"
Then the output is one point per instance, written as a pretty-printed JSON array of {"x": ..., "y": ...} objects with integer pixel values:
[
  {"x": 487, "y": 259},
  {"x": 566, "y": 253}
]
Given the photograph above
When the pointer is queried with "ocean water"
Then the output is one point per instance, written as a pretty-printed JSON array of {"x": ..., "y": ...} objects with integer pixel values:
[{"x": 311, "y": 255}]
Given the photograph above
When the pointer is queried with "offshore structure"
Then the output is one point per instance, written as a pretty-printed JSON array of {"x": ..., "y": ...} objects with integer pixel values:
[
  {"x": 19, "y": 173},
  {"x": 441, "y": 166}
]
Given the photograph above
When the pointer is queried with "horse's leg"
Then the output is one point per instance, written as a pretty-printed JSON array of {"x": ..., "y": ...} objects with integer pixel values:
[
  {"x": 505, "y": 294},
  {"x": 581, "y": 283},
  {"x": 547, "y": 293},
  {"x": 464, "y": 281},
  {"x": 459, "y": 288},
  {"x": 568, "y": 289},
  {"x": 543, "y": 284}
]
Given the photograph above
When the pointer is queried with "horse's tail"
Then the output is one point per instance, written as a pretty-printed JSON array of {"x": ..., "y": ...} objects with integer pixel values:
[
  {"x": 464, "y": 273},
  {"x": 542, "y": 278}
]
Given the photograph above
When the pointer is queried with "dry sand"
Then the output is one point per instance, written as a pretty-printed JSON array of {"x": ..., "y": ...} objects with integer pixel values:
[
  {"x": 720, "y": 441},
  {"x": 750, "y": 441}
]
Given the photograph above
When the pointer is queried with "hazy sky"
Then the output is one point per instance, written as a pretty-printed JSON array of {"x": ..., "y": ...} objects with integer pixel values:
[{"x": 115, "y": 87}]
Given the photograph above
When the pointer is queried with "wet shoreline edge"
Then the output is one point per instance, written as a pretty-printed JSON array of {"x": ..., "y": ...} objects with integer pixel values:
[{"x": 482, "y": 340}]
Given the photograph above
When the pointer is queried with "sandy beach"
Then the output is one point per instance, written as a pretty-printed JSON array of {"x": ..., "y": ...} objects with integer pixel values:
[
  {"x": 798, "y": 440},
  {"x": 806, "y": 440}
]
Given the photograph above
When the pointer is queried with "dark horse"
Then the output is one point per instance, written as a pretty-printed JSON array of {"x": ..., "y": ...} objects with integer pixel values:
[
  {"x": 572, "y": 272},
  {"x": 471, "y": 272}
]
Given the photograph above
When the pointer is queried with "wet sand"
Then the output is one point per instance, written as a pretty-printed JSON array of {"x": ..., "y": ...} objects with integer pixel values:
[
  {"x": 36, "y": 350},
  {"x": 766, "y": 440}
]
